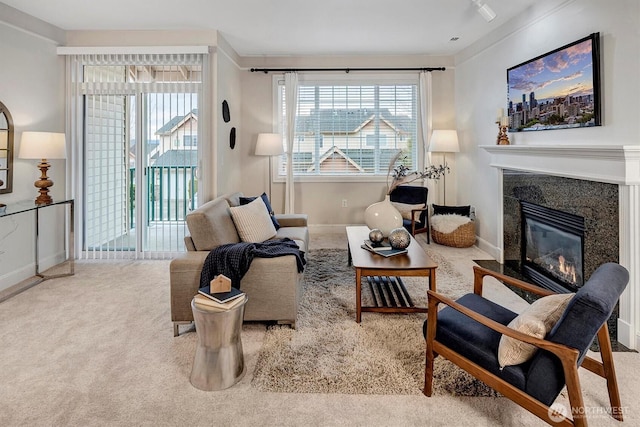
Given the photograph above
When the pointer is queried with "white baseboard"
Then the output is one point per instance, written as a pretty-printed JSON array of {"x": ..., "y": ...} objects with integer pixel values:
[
  {"x": 16, "y": 276},
  {"x": 29, "y": 270},
  {"x": 492, "y": 250},
  {"x": 626, "y": 335}
]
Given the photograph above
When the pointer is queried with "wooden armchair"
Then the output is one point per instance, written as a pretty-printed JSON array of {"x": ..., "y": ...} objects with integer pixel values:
[
  {"x": 468, "y": 331},
  {"x": 415, "y": 199}
]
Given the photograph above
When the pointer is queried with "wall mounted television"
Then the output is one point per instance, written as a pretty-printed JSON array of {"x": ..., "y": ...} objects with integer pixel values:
[{"x": 557, "y": 90}]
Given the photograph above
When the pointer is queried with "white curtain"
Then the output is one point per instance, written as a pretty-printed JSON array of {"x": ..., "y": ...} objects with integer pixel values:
[
  {"x": 426, "y": 125},
  {"x": 291, "y": 100}
]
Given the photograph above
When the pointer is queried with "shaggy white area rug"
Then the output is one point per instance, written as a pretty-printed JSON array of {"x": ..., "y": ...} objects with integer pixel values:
[{"x": 330, "y": 353}]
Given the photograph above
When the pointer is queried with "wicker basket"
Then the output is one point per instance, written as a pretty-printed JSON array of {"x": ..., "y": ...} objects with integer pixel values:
[{"x": 462, "y": 237}]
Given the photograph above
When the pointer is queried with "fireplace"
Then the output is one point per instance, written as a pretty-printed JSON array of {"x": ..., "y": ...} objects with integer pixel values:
[
  {"x": 552, "y": 249},
  {"x": 598, "y": 182}
]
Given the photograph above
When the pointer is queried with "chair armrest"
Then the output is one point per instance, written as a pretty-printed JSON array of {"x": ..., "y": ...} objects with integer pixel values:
[
  {"x": 555, "y": 348},
  {"x": 559, "y": 350},
  {"x": 292, "y": 220},
  {"x": 480, "y": 273}
]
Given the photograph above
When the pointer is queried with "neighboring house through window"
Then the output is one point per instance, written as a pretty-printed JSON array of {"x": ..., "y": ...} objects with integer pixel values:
[{"x": 351, "y": 128}]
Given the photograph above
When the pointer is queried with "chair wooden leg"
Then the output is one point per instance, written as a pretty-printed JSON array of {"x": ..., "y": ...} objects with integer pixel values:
[
  {"x": 576, "y": 401},
  {"x": 610, "y": 372},
  {"x": 432, "y": 319}
]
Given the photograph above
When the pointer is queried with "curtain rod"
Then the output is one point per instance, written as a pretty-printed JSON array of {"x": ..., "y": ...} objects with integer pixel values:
[{"x": 346, "y": 70}]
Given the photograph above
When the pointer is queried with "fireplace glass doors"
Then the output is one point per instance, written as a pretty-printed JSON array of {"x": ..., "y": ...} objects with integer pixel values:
[{"x": 552, "y": 247}]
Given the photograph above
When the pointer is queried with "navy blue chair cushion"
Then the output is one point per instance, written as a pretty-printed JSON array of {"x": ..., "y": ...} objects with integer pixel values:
[
  {"x": 475, "y": 341},
  {"x": 585, "y": 314},
  {"x": 411, "y": 195}
]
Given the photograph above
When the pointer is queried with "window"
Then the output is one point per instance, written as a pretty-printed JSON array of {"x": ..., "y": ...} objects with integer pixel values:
[{"x": 351, "y": 129}]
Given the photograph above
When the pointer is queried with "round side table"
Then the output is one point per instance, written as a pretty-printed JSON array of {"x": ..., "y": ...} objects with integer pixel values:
[{"x": 219, "y": 361}]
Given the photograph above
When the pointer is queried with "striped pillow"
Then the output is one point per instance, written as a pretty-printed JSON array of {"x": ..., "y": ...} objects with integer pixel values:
[{"x": 253, "y": 221}]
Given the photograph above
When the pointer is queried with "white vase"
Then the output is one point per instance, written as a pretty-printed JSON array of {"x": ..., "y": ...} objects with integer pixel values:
[{"x": 383, "y": 216}]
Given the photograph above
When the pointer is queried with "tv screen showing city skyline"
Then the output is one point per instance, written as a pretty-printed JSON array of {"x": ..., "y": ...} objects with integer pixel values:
[{"x": 557, "y": 90}]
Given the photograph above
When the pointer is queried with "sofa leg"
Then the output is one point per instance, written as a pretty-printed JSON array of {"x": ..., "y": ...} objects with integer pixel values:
[{"x": 176, "y": 329}]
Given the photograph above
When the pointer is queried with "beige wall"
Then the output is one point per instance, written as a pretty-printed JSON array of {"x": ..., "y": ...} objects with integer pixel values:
[
  {"x": 481, "y": 89},
  {"x": 322, "y": 201},
  {"x": 32, "y": 88}
]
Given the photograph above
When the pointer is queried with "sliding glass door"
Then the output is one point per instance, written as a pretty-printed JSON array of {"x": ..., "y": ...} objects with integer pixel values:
[{"x": 139, "y": 159}]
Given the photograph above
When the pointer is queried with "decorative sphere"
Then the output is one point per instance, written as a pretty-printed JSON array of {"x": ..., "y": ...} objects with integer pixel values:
[
  {"x": 376, "y": 236},
  {"x": 399, "y": 238}
]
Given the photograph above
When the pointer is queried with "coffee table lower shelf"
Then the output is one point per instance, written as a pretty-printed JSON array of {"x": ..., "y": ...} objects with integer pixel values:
[{"x": 390, "y": 296}]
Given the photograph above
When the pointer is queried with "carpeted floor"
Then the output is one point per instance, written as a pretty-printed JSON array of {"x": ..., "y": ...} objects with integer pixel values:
[{"x": 97, "y": 349}]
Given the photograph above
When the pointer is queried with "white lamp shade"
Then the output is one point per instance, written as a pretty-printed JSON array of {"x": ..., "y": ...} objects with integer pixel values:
[
  {"x": 43, "y": 145},
  {"x": 444, "y": 141},
  {"x": 269, "y": 144}
]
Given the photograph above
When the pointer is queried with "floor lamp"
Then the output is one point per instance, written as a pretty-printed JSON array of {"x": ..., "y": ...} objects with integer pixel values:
[
  {"x": 269, "y": 144},
  {"x": 444, "y": 141}
]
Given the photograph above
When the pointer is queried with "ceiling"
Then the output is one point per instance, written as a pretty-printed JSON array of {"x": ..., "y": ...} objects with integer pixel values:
[{"x": 293, "y": 27}]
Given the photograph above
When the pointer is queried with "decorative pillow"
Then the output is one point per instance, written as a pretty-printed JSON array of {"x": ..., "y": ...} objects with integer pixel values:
[
  {"x": 265, "y": 199},
  {"x": 537, "y": 320},
  {"x": 405, "y": 210},
  {"x": 253, "y": 222},
  {"x": 452, "y": 210}
]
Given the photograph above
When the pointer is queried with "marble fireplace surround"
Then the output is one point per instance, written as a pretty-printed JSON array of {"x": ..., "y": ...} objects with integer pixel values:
[{"x": 613, "y": 164}]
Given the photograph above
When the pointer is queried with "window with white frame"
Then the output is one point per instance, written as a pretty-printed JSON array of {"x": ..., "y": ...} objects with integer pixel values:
[{"x": 351, "y": 128}]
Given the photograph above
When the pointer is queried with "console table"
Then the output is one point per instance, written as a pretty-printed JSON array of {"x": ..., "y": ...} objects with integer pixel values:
[{"x": 29, "y": 206}]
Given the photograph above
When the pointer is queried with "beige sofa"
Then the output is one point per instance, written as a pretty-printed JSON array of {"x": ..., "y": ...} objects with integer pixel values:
[{"x": 273, "y": 285}]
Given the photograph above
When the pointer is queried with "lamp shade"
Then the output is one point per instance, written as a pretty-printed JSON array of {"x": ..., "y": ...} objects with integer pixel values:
[
  {"x": 43, "y": 145},
  {"x": 269, "y": 144},
  {"x": 444, "y": 141}
]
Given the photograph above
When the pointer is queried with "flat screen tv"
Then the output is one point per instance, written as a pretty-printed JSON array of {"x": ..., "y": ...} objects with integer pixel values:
[{"x": 557, "y": 90}]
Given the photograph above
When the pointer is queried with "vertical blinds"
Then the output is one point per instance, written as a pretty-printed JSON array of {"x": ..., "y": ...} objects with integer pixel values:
[{"x": 135, "y": 131}]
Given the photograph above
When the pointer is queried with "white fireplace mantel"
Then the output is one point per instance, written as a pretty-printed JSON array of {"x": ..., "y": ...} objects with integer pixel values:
[{"x": 614, "y": 164}]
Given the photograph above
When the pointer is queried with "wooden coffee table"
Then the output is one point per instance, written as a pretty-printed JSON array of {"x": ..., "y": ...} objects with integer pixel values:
[{"x": 384, "y": 274}]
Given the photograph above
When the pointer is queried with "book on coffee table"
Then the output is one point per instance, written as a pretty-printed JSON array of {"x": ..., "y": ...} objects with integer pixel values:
[
  {"x": 386, "y": 253},
  {"x": 377, "y": 247},
  {"x": 220, "y": 297}
]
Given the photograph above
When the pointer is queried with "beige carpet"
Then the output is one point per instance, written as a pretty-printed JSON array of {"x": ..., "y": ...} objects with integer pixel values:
[
  {"x": 330, "y": 353},
  {"x": 97, "y": 349}
]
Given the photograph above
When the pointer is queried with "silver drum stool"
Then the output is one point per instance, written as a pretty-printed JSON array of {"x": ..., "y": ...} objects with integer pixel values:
[{"x": 219, "y": 361}]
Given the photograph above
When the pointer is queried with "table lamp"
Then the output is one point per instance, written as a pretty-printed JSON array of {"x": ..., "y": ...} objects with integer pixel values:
[
  {"x": 269, "y": 144},
  {"x": 43, "y": 146},
  {"x": 444, "y": 141}
]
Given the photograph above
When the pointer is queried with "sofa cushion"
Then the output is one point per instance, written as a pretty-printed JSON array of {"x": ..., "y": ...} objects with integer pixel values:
[
  {"x": 536, "y": 321},
  {"x": 300, "y": 235},
  {"x": 265, "y": 199},
  {"x": 211, "y": 225},
  {"x": 253, "y": 221}
]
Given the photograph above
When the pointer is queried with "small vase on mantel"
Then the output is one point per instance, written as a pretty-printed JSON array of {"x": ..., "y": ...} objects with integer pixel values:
[{"x": 383, "y": 216}]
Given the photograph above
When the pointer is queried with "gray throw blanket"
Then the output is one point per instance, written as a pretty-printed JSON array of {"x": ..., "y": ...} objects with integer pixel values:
[{"x": 234, "y": 259}]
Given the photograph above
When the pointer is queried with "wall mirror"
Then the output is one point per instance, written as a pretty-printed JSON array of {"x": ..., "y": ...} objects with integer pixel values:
[{"x": 6, "y": 150}]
